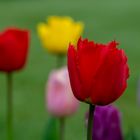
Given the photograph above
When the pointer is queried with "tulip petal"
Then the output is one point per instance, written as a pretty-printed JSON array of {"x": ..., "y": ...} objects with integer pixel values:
[
  {"x": 73, "y": 74},
  {"x": 89, "y": 58},
  {"x": 60, "y": 100},
  {"x": 101, "y": 70},
  {"x": 111, "y": 78},
  {"x": 13, "y": 49},
  {"x": 58, "y": 32}
]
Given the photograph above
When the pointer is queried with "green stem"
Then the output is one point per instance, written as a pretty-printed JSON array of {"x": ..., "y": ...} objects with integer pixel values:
[
  {"x": 60, "y": 60},
  {"x": 62, "y": 128},
  {"x": 59, "y": 64},
  {"x": 9, "y": 107},
  {"x": 90, "y": 122}
]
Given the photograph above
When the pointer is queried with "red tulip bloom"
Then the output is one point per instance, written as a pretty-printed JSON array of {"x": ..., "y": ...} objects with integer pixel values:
[
  {"x": 14, "y": 45},
  {"x": 98, "y": 73}
]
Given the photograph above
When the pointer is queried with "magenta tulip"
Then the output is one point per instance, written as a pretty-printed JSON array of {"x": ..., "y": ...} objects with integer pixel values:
[{"x": 107, "y": 123}]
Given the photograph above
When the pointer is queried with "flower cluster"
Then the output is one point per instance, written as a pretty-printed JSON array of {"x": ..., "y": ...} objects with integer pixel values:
[{"x": 95, "y": 73}]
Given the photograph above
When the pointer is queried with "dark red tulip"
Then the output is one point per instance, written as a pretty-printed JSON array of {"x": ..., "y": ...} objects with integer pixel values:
[
  {"x": 98, "y": 73},
  {"x": 14, "y": 44}
]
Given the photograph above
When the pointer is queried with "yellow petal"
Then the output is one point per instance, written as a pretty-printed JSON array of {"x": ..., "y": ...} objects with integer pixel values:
[{"x": 59, "y": 32}]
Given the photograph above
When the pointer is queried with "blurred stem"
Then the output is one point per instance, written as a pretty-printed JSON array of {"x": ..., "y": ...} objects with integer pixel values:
[
  {"x": 60, "y": 61},
  {"x": 90, "y": 122},
  {"x": 9, "y": 107},
  {"x": 62, "y": 128}
]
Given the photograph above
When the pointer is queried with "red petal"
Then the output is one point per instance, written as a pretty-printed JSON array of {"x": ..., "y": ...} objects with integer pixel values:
[
  {"x": 89, "y": 58},
  {"x": 110, "y": 81},
  {"x": 74, "y": 79},
  {"x": 14, "y": 45}
]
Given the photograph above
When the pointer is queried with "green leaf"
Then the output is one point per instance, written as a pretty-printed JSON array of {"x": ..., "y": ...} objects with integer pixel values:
[
  {"x": 132, "y": 135},
  {"x": 51, "y": 130}
]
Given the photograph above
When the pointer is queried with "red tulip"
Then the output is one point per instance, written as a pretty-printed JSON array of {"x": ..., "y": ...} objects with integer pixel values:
[
  {"x": 14, "y": 45},
  {"x": 98, "y": 73}
]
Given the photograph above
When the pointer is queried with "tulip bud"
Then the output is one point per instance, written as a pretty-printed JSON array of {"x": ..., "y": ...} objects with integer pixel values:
[
  {"x": 14, "y": 44},
  {"x": 60, "y": 100},
  {"x": 107, "y": 124},
  {"x": 58, "y": 32},
  {"x": 98, "y": 73}
]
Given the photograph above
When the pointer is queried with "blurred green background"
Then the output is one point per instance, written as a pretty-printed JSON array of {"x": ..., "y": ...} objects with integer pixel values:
[{"x": 105, "y": 20}]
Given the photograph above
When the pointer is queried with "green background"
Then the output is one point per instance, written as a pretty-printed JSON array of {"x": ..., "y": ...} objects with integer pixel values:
[{"x": 105, "y": 20}]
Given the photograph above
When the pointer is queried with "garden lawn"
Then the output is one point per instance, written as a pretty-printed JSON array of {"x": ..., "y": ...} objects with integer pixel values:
[{"x": 105, "y": 20}]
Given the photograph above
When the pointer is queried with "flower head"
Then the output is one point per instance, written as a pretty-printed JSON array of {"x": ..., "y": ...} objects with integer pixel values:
[
  {"x": 98, "y": 73},
  {"x": 107, "y": 123},
  {"x": 58, "y": 33},
  {"x": 59, "y": 97},
  {"x": 14, "y": 44}
]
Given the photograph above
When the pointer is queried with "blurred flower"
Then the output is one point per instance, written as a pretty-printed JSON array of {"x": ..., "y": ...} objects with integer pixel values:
[
  {"x": 58, "y": 33},
  {"x": 14, "y": 45},
  {"x": 60, "y": 100},
  {"x": 107, "y": 124},
  {"x": 98, "y": 73}
]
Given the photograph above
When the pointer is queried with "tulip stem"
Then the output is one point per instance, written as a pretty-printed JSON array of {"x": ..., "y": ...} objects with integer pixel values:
[
  {"x": 9, "y": 107},
  {"x": 90, "y": 122},
  {"x": 60, "y": 60},
  {"x": 62, "y": 128}
]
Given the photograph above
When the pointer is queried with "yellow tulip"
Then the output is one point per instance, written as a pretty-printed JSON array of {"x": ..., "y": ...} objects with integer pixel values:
[{"x": 58, "y": 32}]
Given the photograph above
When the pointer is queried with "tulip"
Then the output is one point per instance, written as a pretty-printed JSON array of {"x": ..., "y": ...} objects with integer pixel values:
[
  {"x": 14, "y": 44},
  {"x": 58, "y": 32},
  {"x": 107, "y": 123},
  {"x": 98, "y": 74},
  {"x": 60, "y": 100}
]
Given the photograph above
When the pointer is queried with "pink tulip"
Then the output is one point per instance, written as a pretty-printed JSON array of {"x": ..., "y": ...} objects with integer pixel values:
[{"x": 60, "y": 99}]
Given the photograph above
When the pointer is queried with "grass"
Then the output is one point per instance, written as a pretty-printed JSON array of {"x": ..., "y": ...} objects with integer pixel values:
[{"x": 104, "y": 21}]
